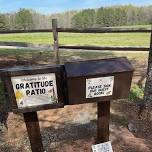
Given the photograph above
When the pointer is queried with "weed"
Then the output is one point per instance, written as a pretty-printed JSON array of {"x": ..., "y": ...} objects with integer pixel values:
[{"x": 136, "y": 93}]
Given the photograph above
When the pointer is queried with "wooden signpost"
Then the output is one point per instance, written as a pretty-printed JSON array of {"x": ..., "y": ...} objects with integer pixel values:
[
  {"x": 99, "y": 81},
  {"x": 32, "y": 89}
]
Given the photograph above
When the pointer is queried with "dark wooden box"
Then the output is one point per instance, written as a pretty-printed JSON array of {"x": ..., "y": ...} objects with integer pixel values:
[
  {"x": 8, "y": 73},
  {"x": 118, "y": 70}
]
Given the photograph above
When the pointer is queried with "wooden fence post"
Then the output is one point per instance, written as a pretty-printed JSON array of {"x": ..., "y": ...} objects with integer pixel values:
[
  {"x": 33, "y": 129},
  {"x": 103, "y": 109},
  {"x": 148, "y": 86},
  {"x": 56, "y": 41}
]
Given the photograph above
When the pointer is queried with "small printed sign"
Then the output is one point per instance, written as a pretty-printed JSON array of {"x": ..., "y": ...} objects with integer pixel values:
[
  {"x": 98, "y": 87},
  {"x": 103, "y": 147},
  {"x": 34, "y": 90}
]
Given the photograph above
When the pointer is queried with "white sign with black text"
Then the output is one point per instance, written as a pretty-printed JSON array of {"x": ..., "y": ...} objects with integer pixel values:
[
  {"x": 103, "y": 147},
  {"x": 35, "y": 90},
  {"x": 99, "y": 87}
]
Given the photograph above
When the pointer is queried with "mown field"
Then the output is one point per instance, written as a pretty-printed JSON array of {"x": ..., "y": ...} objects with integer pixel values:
[
  {"x": 108, "y": 39},
  {"x": 135, "y": 26},
  {"x": 104, "y": 39}
]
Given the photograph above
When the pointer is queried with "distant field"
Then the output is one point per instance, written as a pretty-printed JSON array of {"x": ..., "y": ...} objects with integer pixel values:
[{"x": 108, "y": 39}]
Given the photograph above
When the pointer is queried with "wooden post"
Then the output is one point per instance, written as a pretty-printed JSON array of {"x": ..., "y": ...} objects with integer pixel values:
[
  {"x": 103, "y": 121},
  {"x": 148, "y": 85},
  {"x": 56, "y": 41},
  {"x": 33, "y": 130}
]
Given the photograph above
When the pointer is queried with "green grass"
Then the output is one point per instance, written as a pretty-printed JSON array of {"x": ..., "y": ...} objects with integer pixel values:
[
  {"x": 66, "y": 55},
  {"x": 103, "y": 39},
  {"x": 120, "y": 120},
  {"x": 136, "y": 93},
  {"x": 44, "y": 38},
  {"x": 13, "y": 52},
  {"x": 106, "y": 39},
  {"x": 135, "y": 26},
  {"x": 22, "y": 52}
]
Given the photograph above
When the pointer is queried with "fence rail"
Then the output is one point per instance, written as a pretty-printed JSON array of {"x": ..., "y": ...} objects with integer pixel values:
[
  {"x": 25, "y": 31},
  {"x": 89, "y": 30},
  {"x": 104, "y": 30},
  {"x": 112, "y": 48}
]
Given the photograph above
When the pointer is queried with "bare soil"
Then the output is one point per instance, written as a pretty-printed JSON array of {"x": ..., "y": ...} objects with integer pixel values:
[{"x": 73, "y": 129}]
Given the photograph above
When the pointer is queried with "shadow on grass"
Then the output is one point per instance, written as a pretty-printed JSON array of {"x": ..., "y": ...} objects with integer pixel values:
[
  {"x": 68, "y": 134},
  {"x": 64, "y": 54},
  {"x": 119, "y": 120},
  {"x": 10, "y": 148}
]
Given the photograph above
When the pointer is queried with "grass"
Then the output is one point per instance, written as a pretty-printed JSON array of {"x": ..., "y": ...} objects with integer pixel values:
[
  {"x": 67, "y": 54},
  {"x": 102, "y": 39},
  {"x": 120, "y": 120},
  {"x": 22, "y": 52},
  {"x": 136, "y": 93},
  {"x": 105, "y": 39},
  {"x": 135, "y": 26}
]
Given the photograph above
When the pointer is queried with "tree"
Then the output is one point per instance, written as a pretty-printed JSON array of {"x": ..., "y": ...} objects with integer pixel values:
[
  {"x": 99, "y": 17},
  {"x": 64, "y": 19},
  {"x": 88, "y": 18},
  {"x": 24, "y": 19},
  {"x": 3, "y": 22},
  {"x": 84, "y": 19}
]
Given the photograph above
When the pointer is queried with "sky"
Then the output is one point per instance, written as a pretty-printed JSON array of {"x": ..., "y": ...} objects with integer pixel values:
[{"x": 55, "y": 6}]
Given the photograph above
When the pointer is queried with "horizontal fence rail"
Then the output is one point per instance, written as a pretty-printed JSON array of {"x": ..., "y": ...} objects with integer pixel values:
[
  {"x": 104, "y": 30},
  {"x": 89, "y": 30},
  {"x": 25, "y": 31},
  {"x": 112, "y": 48}
]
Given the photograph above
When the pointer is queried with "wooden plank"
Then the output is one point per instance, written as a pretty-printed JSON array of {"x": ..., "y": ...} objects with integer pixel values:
[
  {"x": 25, "y": 31},
  {"x": 33, "y": 129},
  {"x": 112, "y": 48},
  {"x": 103, "y": 109},
  {"x": 88, "y": 30},
  {"x": 55, "y": 37},
  {"x": 105, "y": 30}
]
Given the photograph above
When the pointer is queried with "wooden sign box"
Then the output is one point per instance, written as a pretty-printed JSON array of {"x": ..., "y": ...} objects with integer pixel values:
[
  {"x": 98, "y": 80},
  {"x": 34, "y": 88}
]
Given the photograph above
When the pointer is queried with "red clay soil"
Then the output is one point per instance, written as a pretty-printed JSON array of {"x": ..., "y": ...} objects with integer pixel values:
[{"x": 73, "y": 129}]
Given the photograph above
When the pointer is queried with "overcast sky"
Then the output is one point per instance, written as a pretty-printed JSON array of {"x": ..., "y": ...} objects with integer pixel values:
[{"x": 54, "y": 6}]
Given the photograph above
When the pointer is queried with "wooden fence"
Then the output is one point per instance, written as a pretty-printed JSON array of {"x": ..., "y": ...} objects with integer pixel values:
[
  {"x": 57, "y": 46},
  {"x": 88, "y": 30},
  {"x": 55, "y": 30}
]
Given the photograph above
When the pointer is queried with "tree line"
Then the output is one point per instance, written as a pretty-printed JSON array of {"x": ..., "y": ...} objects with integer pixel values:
[
  {"x": 29, "y": 19},
  {"x": 87, "y": 18},
  {"x": 113, "y": 16}
]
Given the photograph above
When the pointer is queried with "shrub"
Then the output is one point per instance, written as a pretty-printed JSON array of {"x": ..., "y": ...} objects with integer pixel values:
[{"x": 136, "y": 93}]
